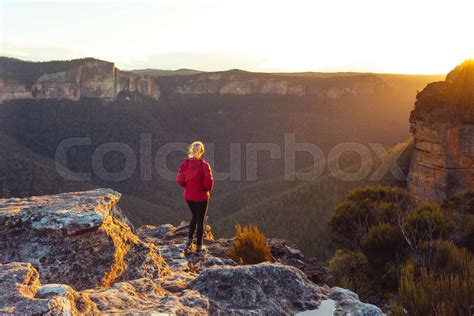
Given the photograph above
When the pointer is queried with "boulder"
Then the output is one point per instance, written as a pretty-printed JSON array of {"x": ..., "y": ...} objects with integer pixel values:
[
  {"x": 76, "y": 239},
  {"x": 264, "y": 288},
  {"x": 21, "y": 293},
  {"x": 147, "y": 296},
  {"x": 318, "y": 272},
  {"x": 348, "y": 303}
]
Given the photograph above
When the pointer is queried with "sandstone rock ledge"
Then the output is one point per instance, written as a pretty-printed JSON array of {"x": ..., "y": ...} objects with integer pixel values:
[
  {"x": 73, "y": 253},
  {"x": 442, "y": 124}
]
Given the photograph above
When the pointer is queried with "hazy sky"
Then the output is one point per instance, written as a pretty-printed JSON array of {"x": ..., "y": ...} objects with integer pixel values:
[{"x": 332, "y": 35}]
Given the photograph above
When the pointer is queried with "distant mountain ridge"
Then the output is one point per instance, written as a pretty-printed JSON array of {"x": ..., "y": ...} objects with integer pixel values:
[
  {"x": 90, "y": 77},
  {"x": 163, "y": 72},
  {"x": 399, "y": 82},
  {"x": 73, "y": 80}
]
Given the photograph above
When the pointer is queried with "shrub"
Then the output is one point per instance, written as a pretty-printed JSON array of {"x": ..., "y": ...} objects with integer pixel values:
[
  {"x": 446, "y": 258},
  {"x": 463, "y": 204},
  {"x": 250, "y": 246},
  {"x": 460, "y": 210},
  {"x": 432, "y": 294},
  {"x": 384, "y": 247},
  {"x": 426, "y": 222},
  {"x": 383, "y": 243},
  {"x": 351, "y": 270},
  {"x": 396, "y": 308},
  {"x": 363, "y": 208},
  {"x": 467, "y": 233},
  {"x": 445, "y": 289}
]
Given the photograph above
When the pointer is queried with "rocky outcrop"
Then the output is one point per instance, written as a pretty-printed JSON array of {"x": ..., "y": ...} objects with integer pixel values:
[
  {"x": 84, "y": 78},
  {"x": 74, "y": 254},
  {"x": 246, "y": 83},
  {"x": 20, "y": 293},
  {"x": 76, "y": 239},
  {"x": 238, "y": 289},
  {"x": 442, "y": 123}
]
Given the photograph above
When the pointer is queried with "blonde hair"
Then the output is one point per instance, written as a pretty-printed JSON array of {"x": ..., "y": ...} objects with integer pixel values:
[{"x": 196, "y": 150}]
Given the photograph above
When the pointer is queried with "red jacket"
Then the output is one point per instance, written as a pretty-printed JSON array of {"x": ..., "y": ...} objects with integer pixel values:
[{"x": 195, "y": 176}]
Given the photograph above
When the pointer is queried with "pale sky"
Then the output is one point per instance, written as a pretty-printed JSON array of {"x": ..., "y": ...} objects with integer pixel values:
[{"x": 397, "y": 36}]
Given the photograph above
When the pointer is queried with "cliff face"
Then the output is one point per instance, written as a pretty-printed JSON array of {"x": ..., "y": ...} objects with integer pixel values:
[
  {"x": 75, "y": 254},
  {"x": 70, "y": 80},
  {"x": 442, "y": 123},
  {"x": 246, "y": 83},
  {"x": 83, "y": 78}
]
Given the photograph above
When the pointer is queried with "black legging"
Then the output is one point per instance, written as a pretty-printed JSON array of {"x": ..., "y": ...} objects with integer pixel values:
[{"x": 199, "y": 213}]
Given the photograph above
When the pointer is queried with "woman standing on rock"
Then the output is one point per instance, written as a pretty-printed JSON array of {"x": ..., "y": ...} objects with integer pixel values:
[{"x": 195, "y": 176}]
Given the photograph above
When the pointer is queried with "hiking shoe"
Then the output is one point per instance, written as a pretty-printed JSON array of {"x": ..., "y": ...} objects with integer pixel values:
[
  {"x": 199, "y": 248},
  {"x": 188, "y": 246}
]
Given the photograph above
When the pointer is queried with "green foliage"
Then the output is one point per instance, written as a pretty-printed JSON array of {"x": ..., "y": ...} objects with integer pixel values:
[
  {"x": 403, "y": 250},
  {"x": 467, "y": 233},
  {"x": 24, "y": 173},
  {"x": 446, "y": 258},
  {"x": 463, "y": 204},
  {"x": 445, "y": 289},
  {"x": 460, "y": 210},
  {"x": 426, "y": 222},
  {"x": 271, "y": 203},
  {"x": 367, "y": 222},
  {"x": 383, "y": 243},
  {"x": 250, "y": 246},
  {"x": 28, "y": 72},
  {"x": 363, "y": 208},
  {"x": 397, "y": 309},
  {"x": 351, "y": 270}
]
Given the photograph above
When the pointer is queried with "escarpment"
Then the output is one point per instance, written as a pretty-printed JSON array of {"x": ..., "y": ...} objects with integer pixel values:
[
  {"x": 93, "y": 78},
  {"x": 442, "y": 123},
  {"x": 239, "y": 82},
  {"x": 72, "y": 80},
  {"x": 74, "y": 253}
]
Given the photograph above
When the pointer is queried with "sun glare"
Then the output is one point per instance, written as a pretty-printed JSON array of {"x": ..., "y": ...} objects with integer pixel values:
[{"x": 366, "y": 35}]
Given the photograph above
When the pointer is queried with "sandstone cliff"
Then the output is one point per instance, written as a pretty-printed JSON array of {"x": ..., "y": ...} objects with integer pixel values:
[
  {"x": 81, "y": 78},
  {"x": 442, "y": 123},
  {"x": 89, "y": 77},
  {"x": 74, "y": 254},
  {"x": 246, "y": 83}
]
